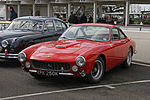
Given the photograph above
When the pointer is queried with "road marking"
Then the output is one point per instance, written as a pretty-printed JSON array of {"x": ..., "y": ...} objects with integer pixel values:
[
  {"x": 111, "y": 86},
  {"x": 146, "y": 65}
]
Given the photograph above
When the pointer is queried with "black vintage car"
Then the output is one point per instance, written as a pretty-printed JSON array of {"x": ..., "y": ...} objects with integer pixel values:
[{"x": 26, "y": 31}]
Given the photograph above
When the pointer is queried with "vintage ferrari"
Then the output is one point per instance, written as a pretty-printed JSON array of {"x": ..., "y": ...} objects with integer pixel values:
[{"x": 84, "y": 50}]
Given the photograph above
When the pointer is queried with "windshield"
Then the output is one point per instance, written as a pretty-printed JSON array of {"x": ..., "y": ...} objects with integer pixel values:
[
  {"x": 97, "y": 33},
  {"x": 3, "y": 26},
  {"x": 32, "y": 25}
]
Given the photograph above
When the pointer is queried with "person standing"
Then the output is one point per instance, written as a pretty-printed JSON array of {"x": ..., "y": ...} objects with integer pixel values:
[
  {"x": 71, "y": 18},
  {"x": 13, "y": 14},
  {"x": 83, "y": 19}
]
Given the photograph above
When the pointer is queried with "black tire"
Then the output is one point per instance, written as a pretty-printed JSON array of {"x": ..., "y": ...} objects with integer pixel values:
[
  {"x": 127, "y": 63},
  {"x": 36, "y": 76},
  {"x": 97, "y": 72}
]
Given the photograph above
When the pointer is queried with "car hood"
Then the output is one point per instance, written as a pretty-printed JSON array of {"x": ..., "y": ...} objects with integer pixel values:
[
  {"x": 64, "y": 49},
  {"x": 14, "y": 33}
]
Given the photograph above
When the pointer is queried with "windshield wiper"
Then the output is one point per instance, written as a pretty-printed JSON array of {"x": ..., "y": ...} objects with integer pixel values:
[
  {"x": 23, "y": 24},
  {"x": 35, "y": 24}
]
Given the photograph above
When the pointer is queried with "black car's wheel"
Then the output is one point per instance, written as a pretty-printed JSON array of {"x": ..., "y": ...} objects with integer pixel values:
[
  {"x": 36, "y": 76},
  {"x": 97, "y": 72},
  {"x": 127, "y": 62}
]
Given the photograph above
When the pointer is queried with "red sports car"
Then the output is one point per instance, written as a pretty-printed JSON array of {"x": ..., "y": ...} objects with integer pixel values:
[{"x": 86, "y": 50}]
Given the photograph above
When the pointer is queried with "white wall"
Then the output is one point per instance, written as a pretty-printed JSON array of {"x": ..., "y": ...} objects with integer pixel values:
[
  {"x": 42, "y": 9},
  {"x": 26, "y": 10},
  {"x": 2, "y": 11}
]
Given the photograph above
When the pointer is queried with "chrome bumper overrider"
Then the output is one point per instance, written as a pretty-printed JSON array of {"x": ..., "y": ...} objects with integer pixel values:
[
  {"x": 4, "y": 55},
  {"x": 135, "y": 52},
  {"x": 67, "y": 74}
]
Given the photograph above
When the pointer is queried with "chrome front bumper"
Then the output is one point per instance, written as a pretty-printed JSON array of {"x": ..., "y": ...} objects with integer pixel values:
[
  {"x": 12, "y": 56},
  {"x": 66, "y": 74}
]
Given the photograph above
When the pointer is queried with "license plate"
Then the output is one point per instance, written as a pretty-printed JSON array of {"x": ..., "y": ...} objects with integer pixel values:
[
  {"x": 48, "y": 73},
  {"x": 51, "y": 73}
]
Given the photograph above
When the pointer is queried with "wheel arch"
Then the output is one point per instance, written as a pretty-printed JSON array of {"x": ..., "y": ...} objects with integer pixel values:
[
  {"x": 131, "y": 49},
  {"x": 104, "y": 58}
]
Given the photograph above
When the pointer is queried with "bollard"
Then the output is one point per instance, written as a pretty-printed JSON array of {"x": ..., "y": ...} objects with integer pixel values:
[{"x": 141, "y": 24}]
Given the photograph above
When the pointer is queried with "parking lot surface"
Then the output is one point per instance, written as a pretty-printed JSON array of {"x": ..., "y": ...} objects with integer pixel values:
[{"x": 118, "y": 84}]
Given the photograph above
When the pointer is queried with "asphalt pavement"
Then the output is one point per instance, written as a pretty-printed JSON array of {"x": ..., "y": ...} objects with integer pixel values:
[{"x": 118, "y": 84}]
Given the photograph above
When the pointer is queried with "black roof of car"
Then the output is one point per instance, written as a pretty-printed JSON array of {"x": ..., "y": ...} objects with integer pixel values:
[{"x": 42, "y": 18}]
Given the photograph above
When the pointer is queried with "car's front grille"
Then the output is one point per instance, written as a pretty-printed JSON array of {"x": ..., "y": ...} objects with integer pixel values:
[{"x": 54, "y": 66}]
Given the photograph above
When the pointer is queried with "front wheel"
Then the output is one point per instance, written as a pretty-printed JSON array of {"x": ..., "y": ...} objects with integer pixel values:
[
  {"x": 97, "y": 72},
  {"x": 127, "y": 62}
]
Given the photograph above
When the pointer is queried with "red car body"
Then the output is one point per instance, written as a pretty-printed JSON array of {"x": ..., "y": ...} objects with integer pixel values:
[{"x": 67, "y": 50}]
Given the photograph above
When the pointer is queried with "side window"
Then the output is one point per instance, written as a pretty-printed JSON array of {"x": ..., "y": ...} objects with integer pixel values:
[
  {"x": 58, "y": 25},
  {"x": 115, "y": 34},
  {"x": 49, "y": 25},
  {"x": 122, "y": 35},
  {"x": 64, "y": 26}
]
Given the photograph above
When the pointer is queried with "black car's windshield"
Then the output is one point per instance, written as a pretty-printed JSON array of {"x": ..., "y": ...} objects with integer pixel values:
[
  {"x": 97, "y": 33},
  {"x": 3, "y": 26},
  {"x": 32, "y": 25}
]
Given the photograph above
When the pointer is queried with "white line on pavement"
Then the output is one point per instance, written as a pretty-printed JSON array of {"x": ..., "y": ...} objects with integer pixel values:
[
  {"x": 141, "y": 64},
  {"x": 75, "y": 89}
]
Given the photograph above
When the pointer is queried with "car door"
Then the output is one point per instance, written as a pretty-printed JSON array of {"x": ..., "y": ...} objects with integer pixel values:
[
  {"x": 116, "y": 55},
  {"x": 50, "y": 33},
  {"x": 124, "y": 41}
]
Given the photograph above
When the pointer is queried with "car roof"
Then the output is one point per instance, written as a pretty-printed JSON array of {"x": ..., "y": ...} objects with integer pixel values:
[
  {"x": 95, "y": 24},
  {"x": 42, "y": 18}
]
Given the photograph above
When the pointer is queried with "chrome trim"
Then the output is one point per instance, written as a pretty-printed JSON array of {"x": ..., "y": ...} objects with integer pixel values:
[
  {"x": 4, "y": 41},
  {"x": 135, "y": 52},
  {"x": 3, "y": 55},
  {"x": 24, "y": 56},
  {"x": 83, "y": 59},
  {"x": 34, "y": 71},
  {"x": 68, "y": 74}
]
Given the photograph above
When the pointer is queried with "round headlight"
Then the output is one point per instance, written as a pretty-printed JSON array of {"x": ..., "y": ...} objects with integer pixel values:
[
  {"x": 22, "y": 57},
  {"x": 80, "y": 61},
  {"x": 27, "y": 64},
  {"x": 4, "y": 43},
  {"x": 74, "y": 68}
]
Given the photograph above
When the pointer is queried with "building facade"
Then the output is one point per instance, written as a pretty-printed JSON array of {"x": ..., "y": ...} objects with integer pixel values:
[{"x": 63, "y": 8}]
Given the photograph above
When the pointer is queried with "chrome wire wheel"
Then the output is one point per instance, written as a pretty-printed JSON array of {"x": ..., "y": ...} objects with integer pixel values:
[
  {"x": 128, "y": 61},
  {"x": 129, "y": 57},
  {"x": 97, "y": 70}
]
